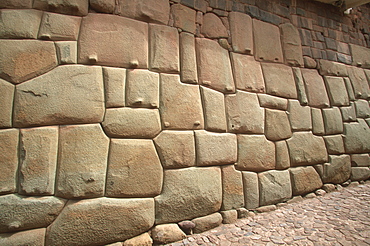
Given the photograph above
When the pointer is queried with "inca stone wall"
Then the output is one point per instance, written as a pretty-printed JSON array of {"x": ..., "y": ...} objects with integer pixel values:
[{"x": 122, "y": 120}]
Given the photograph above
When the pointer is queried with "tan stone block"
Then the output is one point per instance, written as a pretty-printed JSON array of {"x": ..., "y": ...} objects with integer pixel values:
[
  {"x": 272, "y": 102},
  {"x": 69, "y": 7},
  {"x": 337, "y": 91},
  {"x": 274, "y": 187},
  {"x": 19, "y": 23},
  {"x": 188, "y": 60},
  {"x": 332, "y": 120},
  {"x": 317, "y": 122},
  {"x": 214, "y": 66},
  {"x": 21, "y": 60},
  {"x": 214, "y": 110},
  {"x": 232, "y": 188},
  {"x": 87, "y": 146},
  {"x": 9, "y": 160},
  {"x": 114, "y": 85},
  {"x": 334, "y": 144},
  {"x": 241, "y": 32},
  {"x": 277, "y": 126},
  {"x": 213, "y": 27},
  {"x": 362, "y": 108},
  {"x": 167, "y": 233},
  {"x": 291, "y": 42},
  {"x": 360, "y": 160},
  {"x": 330, "y": 68},
  {"x": 207, "y": 223},
  {"x": 299, "y": 116},
  {"x": 229, "y": 216},
  {"x": 66, "y": 51},
  {"x": 6, "y": 103},
  {"x": 103, "y": 6},
  {"x": 129, "y": 123},
  {"x": 247, "y": 73},
  {"x": 251, "y": 190},
  {"x": 34, "y": 237},
  {"x": 15, "y": 4},
  {"x": 359, "y": 82},
  {"x": 304, "y": 180},
  {"x": 337, "y": 171},
  {"x": 59, "y": 27},
  {"x": 183, "y": 17},
  {"x": 301, "y": 90},
  {"x": 356, "y": 137},
  {"x": 69, "y": 94},
  {"x": 351, "y": 94},
  {"x": 180, "y": 104},
  {"x": 349, "y": 113},
  {"x": 309, "y": 62},
  {"x": 360, "y": 56},
  {"x": 282, "y": 155},
  {"x": 360, "y": 173},
  {"x": 143, "y": 240},
  {"x": 255, "y": 153},
  {"x": 315, "y": 88},
  {"x": 113, "y": 41}
]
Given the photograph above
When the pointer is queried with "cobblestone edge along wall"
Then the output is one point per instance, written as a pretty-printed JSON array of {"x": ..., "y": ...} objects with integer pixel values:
[{"x": 121, "y": 121}]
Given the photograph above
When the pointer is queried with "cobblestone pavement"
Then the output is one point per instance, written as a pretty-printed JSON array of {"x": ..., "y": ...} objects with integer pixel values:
[{"x": 338, "y": 218}]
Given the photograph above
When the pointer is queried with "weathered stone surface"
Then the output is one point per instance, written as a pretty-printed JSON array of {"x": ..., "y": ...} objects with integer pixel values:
[
  {"x": 360, "y": 160},
  {"x": 267, "y": 208},
  {"x": 21, "y": 60},
  {"x": 142, "y": 240},
  {"x": 360, "y": 56},
  {"x": 315, "y": 88},
  {"x": 351, "y": 94},
  {"x": 38, "y": 160},
  {"x": 214, "y": 66},
  {"x": 113, "y": 41},
  {"x": 213, "y": 27},
  {"x": 330, "y": 68},
  {"x": 306, "y": 149},
  {"x": 362, "y": 109},
  {"x": 291, "y": 42},
  {"x": 304, "y": 180},
  {"x": 114, "y": 85},
  {"x": 167, "y": 233},
  {"x": 349, "y": 113},
  {"x": 214, "y": 110},
  {"x": 247, "y": 73},
  {"x": 114, "y": 220},
  {"x": 9, "y": 160},
  {"x": 34, "y": 237},
  {"x": 69, "y": 7},
  {"x": 282, "y": 155},
  {"x": 359, "y": 82},
  {"x": 337, "y": 91},
  {"x": 317, "y": 122},
  {"x": 19, "y": 23},
  {"x": 188, "y": 60},
  {"x": 87, "y": 146},
  {"x": 13, "y": 4},
  {"x": 241, "y": 32},
  {"x": 207, "y": 222},
  {"x": 129, "y": 123},
  {"x": 332, "y": 120},
  {"x": 334, "y": 144},
  {"x": 279, "y": 80},
  {"x": 66, "y": 95},
  {"x": 184, "y": 17},
  {"x": 299, "y": 116},
  {"x": 130, "y": 162},
  {"x": 277, "y": 126},
  {"x": 180, "y": 104},
  {"x": 356, "y": 137},
  {"x": 268, "y": 101},
  {"x": 360, "y": 173},
  {"x": 274, "y": 187},
  {"x": 229, "y": 216},
  {"x": 183, "y": 192},
  {"x": 309, "y": 62},
  {"x": 244, "y": 115},
  {"x": 255, "y": 153},
  {"x": 251, "y": 190},
  {"x": 267, "y": 42},
  {"x": 66, "y": 51},
  {"x": 164, "y": 51},
  {"x": 232, "y": 188},
  {"x": 59, "y": 27},
  {"x": 301, "y": 90},
  {"x": 6, "y": 103},
  {"x": 104, "y": 6},
  {"x": 22, "y": 213}
]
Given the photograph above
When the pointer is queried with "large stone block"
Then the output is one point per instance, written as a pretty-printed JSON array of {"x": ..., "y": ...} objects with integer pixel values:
[
  {"x": 331, "y": 68},
  {"x": 282, "y": 155},
  {"x": 184, "y": 17},
  {"x": 66, "y": 95},
  {"x": 167, "y": 233},
  {"x": 291, "y": 42},
  {"x": 304, "y": 180},
  {"x": 101, "y": 220},
  {"x": 134, "y": 169},
  {"x": 82, "y": 161},
  {"x": 251, "y": 190},
  {"x": 360, "y": 173},
  {"x": 214, "y": 110},
  {"x": 19, "y": 23},
  {"x": 274, "y": 186},
  {"x": 332, "y": 121},
  {"x": 103, "y": 6},
  {"x": 337, "y": 91},
  {"x": 360, "y": 56},
  {"x": 241, "y": 32},
  {"x": 277, "y": 126},
  {"x": 301, "y": 90},
  {"x": 317, "y": 122},
  {"x": 214, "y": 66},
  {"x": 349, "y": 113},
  {"x": 356, "y": 137},
  {"x": 189, "y": 193},
  {"x": 22, "y": 213},
  {"x": 114, "y": 85},
  {"x": 360, "y": 160},
  {"x": 299, "y": 116},
  {"x": 113, "y": 41},
  {"x": 207, "y": 223},
  {"x": 213, "y": 27},
  {"x": 34, "y": 237},
  {"x": 232, "y": 188},
  {"x": 9, "y": 160},
  {"x": 143, "y": 240},
  {"x": 59, "y": 27},
  {"x": 337, "y": 171},
  {"x": 359, "y": 82},
  {"x": 362, "y": 108},
  {"x": 268, "y": 101},
  {"x": 351, "y": 93},
  {"x": 188, "y": 59},
  {"x": 6, "y": 103},
  {"x": 69, "y": 7},
  {"x": 66, "y": 52},
  {"x": 315, "y": 88},
  {"x": 255, "y": 153},
  {"x": 334, "y": 144},
  {"x": 13, "y": 4}
]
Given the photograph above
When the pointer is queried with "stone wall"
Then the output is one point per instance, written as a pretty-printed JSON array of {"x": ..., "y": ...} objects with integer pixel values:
[{"x": 120, "y": 118}]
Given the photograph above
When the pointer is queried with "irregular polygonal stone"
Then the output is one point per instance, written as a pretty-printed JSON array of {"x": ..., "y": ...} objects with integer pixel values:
[
  {"x": 104, "y": 6},
  {"x": 114, "y": 85},
  {"x": 6, "y": 103},
  {"x": 277, "y": 126},
  {"x": 21, "y": 60},
  {"x": 337, "y": 91},
  {"x": 274, "y": 187},
  {"x": 315, "y": 88},
  {"x": 213, "y": 27},
  {"x": 267, "y": 42},
  {"x": 349, "y": 113},
  {"x": 299, "y": 116},
  {"x": 334, "y": 144},
  {"x": 113, "y": 41},
  {"x": 309, "y": 62},
  {"x": 214, "y": 66},
  {"x": 301, "y": 91},
  {"x": 232, "y": 188},
  {"x": 241, "y": 32},
  {"x": 255, "y": 153},
  {"x": 247, "y": 73},
  {"x": 362, "y": 109},
  {"x": 356, "y": 137},
  {"x": 66, "y": 95},
  {"x": 207, "y": 222},
  {"x": 114, "y": 219},
  {"x": 9, "y": 160},
  {"x": 332, "y": 120},
  {"x": 87, "y": 146},
  {"x": 22, "y": 213},
  {"x": 291, "y": 44},
  {"x": 67, "y": 52},
  {"x": 229, "y": 216},
  {"x": 360, "y": 173},
  {"x": 317, "y": 122},
  {"x": 279, "y": 80},
  {"x": 34, "y": 237},
  {"x": 360, "y": 160},
  {"x": 19, "y": 23},
  {"x": 167, "y": 233},
  {"x": 214, "y": 110},
  {"x": 282, "y": 155},
  {"x": 268, "y": 101},
  {"x": 134, "y": 169},
  {"x": 59, "y": 27},
  {"x": 143, "y": 240},
  {"x": 359, "y": 82},
  {"x": 180, "y": 104},
  {"x": 16, "y": 4},
  {"x": 306, "y": 149},
  {"x": 188, "y": 60},
  {"x": 244, "y": 115},
  {"x": 360, "y": 56},
  {"x": 332, "y": 68},
  {"x": 129, "y": 123},
  {"x": 351, "y": 94},
  {"x": 183, "y": 17},
  {"x": 251, "y": 190},
  {"x": 69, "y": 7},
  {"x": 304, "y": 180},
  {"x": 183, "y": 191}
]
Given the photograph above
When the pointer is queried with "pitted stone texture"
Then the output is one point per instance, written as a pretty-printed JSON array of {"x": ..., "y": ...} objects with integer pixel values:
[
  {"x": 19, "y": 23},
  {"x": 330, "y": 68},
  {"x": 188, "y": 59},
  {"x": 214, "y": 66},
  {"x": 155, "y": 11},
  {"x": 360, "y": 160},
  {"x": 315, "y": 88},
  {"x": 176, "y": 149},
  {"x": 317, "y": 122},
  {"x": 244, "y": 115},
  {"x": 114, "y": 85},
  {"x": 291, "y": 45},
  {"x": 351, "y": 93},
  {"x": 241, "y": 32},
  {"x": 299, "y": 116},
  {"x": 349, "y": 113},
  {"x": 304, "y": 180},
  {"x": 362, "y": 108},
  {"x": 279, "y": 80},
  {"x": 306, "y": 149},
  {"x": 21, "y": 60},
  {"x": 334, "y": 144},
  {"x": 274, "y": 187},
  {"x": 66, "y": 95},
  {"x": 255, "y": 153},
  {"x": 167, "y": 233},
  {"x": 359, "y": 82},
  {"x": 337, "y": 171},
  {"x": 180, "y": 104},
  {"x": 277, "y": 126},
  {"x": 183, "y": 192},
  {"x": 251, "y": 190},
  {"x": 301, "y": 90},
  {"x": 206, "y": 223},
  {"x": 360, "y": 173},
  {"x": 356, "y": 137},
  {"x": 267, "y": 42},
  {"x": 103, "y": 6},
  {"x": 164, "y": 51},
  {"x": 213, "y": 27},
  {"x": 360, "y": 56},
  {"x": 38, "y": 160},
  {"x": 113, "y": 219},
  {"x": 59, "y": 27},
  {"x": 282, "y": 155},
  {"x": 229, "y": 216},
  {"x": 82, "y": 161},
  {"x": 247, "y": 73},
  {"x": 34, "y": 237},
  {"x": 332, "y": 121},
  {"x": 69, "y": 7},
  {"x": 113, "y": 41},
  {"x": 184, "y": 17},
  {"x": 129, "y": 123},
  {"x": 214, "y": 110},
  {"x": 15, "y": 4},
  {"x": 143, "y": 240},
  {"x": 268, "y": 101},
  {"x": 9, "y": 160},
  {"x": 22, "y": 213},
  {"x": 66, "y": 51},
  {"x": 134, "y": 169},
  {"x": 6, "y": 103},
  {"x": 337, "y": 91},
  {"x": 232, "y": 188}
]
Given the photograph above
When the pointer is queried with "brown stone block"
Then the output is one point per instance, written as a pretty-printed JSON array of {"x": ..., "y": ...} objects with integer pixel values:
[
  {"x": 34, "y": 237},
  {"x": 213, "y": 27},
  {"x": 241, "y": 29},
  {"x": 291, "y": 45},
  {"x": 183, "y": 17},
  {"x": 304, "y": 180},
  {"x": 69, "y": 7},
  {"x": 214, "y": 110},
  {"x": 251, "y": 190},
  {"x": 188, "y": 60},
  {"x": 337, "y": 91},
  {"x": 274, "y": 186},
  {"x": 9, "y": 160},
  {"x": 232, "y": 188},
  {"x": 315, "y": 88},
  {"x": 6, "y": 103},
  {"x": 332, "y": 121},
  {"x": 19, "y": 23},
  {"x": 59, "y": 27},
  {"x": 359, "y": 82},
  {"x": 277, "y": 125}
]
